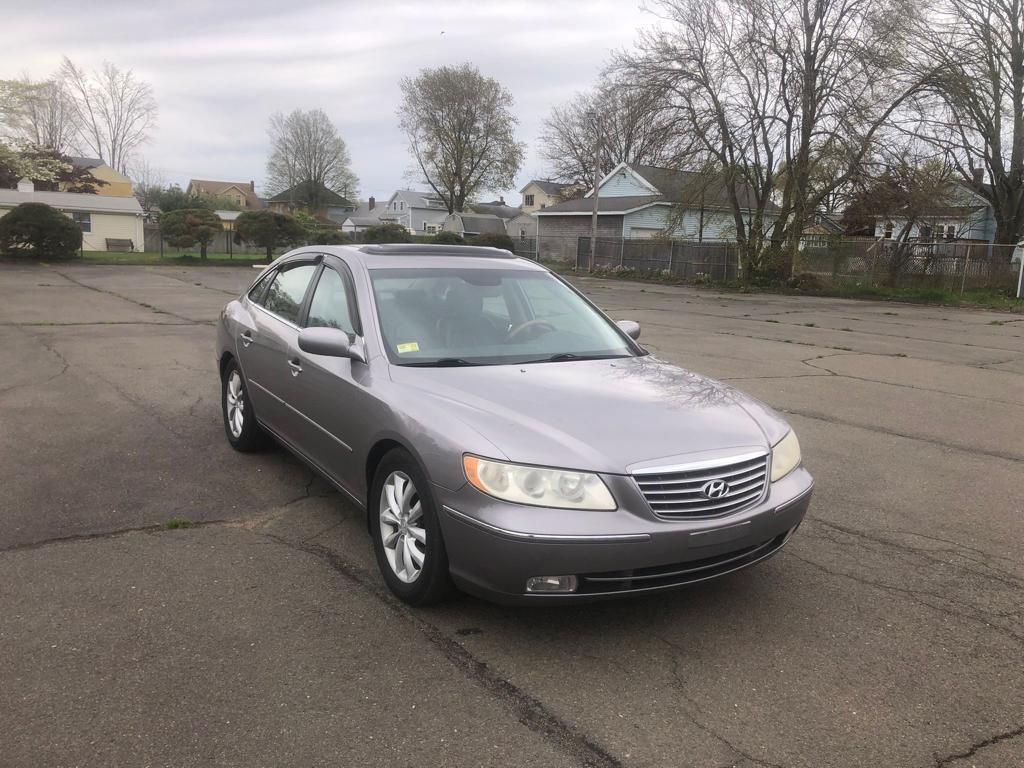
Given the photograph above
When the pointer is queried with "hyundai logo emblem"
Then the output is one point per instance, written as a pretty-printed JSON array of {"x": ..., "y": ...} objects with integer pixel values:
[{"x": 715, "y": 489}]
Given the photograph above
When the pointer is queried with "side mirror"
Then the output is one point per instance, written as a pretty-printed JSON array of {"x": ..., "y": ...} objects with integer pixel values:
[
  {"x": 630, "y": 327},
  {"x": 329, "y": 342}
]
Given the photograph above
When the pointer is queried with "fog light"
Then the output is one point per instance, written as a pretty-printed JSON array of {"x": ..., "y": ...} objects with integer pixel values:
[{"x": 551, "y": 584}]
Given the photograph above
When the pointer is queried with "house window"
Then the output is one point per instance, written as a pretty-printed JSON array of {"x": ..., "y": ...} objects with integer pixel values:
[
  {"x": 888, "y": 230},
  {"x": 528, "y": 200},
  {"x": 83, "y": 220},
  {"x": 431, "y": 228},
  {"x": 950, "y": 232},
  {"x": 403, "y": 206}
]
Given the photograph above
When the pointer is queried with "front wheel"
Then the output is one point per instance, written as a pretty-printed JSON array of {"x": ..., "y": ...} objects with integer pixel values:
[{"x": 406, "y": 532}]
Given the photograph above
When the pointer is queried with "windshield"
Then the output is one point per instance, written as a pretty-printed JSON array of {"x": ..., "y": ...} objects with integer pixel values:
[{"x": 488, "y": 317}]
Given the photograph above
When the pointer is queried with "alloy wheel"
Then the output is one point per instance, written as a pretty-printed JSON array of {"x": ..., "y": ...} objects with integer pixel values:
[
  {"x": 234, "y": 395},
  {"x": 401, "y": 527}
]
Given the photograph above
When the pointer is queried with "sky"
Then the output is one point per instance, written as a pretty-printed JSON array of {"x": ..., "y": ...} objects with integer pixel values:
[{"x": 219, "y": 70}]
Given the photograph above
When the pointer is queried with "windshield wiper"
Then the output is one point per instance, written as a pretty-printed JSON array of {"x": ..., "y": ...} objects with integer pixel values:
[
  {"x": 444, "y": 362},
  {"x": 562, "y": 356}
]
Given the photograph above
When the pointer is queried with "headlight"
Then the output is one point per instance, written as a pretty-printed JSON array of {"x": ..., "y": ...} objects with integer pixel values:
[
  {"x": 537, "y": 486},
  {"x": 785, "y": 456}
]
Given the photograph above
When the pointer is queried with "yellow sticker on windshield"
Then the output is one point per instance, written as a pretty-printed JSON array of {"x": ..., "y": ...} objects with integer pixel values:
[{"x": 411, "y": 346}]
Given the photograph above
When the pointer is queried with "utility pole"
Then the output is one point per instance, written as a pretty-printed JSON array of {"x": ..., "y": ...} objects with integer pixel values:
[{"x": 597, "y": 181}]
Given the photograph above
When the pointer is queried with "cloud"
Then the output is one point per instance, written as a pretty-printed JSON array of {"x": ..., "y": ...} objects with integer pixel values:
[{"x": 219, "y": 70}]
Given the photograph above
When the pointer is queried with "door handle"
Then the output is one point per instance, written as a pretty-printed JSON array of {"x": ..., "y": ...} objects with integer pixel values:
[
  {"x": 296, "y": 368},
  {"x": 246, "y": 337}
]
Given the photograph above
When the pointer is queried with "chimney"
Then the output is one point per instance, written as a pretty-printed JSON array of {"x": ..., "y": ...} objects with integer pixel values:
[
  {"x": 26, "y": 185},
  {"x": 979, "y": 175},
  {"x": 372, "y": 202},
  {"x": 501, "y": 199}
]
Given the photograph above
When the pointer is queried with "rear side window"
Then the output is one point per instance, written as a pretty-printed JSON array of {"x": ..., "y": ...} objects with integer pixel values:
[
  {"x": 330, "y": 306},
  {"x": 285, "y": 295}
]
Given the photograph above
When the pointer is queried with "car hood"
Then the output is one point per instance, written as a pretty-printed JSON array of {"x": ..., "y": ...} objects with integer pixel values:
[{"x": 610, "y": 416}]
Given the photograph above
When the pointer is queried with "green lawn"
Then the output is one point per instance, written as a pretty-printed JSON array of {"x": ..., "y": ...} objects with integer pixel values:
[{"x": 172, "y": 257}]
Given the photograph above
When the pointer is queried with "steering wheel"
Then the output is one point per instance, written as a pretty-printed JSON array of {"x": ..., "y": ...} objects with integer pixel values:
[{"x": 535, "y": 324}]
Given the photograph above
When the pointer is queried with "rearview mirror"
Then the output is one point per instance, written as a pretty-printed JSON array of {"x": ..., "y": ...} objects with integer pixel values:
[
  {"x": 329, "y": 342},
  {"x": 630, "y": 327}
]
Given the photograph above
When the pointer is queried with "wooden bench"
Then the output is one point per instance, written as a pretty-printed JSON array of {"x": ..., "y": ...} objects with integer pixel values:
[{"x": 118, "y": 244}]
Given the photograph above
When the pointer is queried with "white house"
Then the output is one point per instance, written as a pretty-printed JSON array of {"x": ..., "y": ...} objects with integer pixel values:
[
  {"x": 643, "y": 201},
  {"x": 103, "y": 219},
  {"x": 959, "y": 214}
]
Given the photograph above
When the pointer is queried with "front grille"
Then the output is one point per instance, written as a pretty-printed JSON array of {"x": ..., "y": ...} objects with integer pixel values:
[
  {"x": 680, "y": 494},
  {"x": 678, "y": 574}
]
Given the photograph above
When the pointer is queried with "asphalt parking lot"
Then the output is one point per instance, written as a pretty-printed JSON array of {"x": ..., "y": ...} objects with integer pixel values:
[{"x": 889, "y": 632}]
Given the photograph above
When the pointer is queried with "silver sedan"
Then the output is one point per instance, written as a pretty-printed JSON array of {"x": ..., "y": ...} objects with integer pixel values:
[{"x": 502, "y": 434}]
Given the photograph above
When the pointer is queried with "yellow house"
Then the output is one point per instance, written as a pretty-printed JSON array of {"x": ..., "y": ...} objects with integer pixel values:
[
  {"x": 539, "y": 194},
  {"x": 240, "y": 193},
  {"x": 118, "y": 185}
]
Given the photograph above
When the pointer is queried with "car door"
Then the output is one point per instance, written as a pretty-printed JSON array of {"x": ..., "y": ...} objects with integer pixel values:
[
  {"x": 334, "y": 393},
  {"x": 265, "y": 351}
]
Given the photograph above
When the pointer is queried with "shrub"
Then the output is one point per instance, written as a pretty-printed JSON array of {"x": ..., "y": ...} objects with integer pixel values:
[
  {"x": 327, "y": 236},
  {"x": 268, "y": 230},
  {"x": 448, "y": 238},
  {"x": 186, "y": 227},
  {"x": 494, "y": 240},
  {"x": 387, "y": 233},
  {"x": 37, "y": 230}
]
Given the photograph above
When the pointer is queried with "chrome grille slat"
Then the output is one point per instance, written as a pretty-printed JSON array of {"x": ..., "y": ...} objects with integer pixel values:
[
  {"x": 677, "y": 494},
  {"x": 687, "y": 487}
]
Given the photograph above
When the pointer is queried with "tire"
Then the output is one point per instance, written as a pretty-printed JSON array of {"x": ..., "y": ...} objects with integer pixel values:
[
  {"x": 403, "y": 514},
  {"x": 240, "y": 425}
]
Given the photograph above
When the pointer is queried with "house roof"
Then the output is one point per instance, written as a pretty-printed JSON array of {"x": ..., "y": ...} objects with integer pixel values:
[
  {"x": 689, "y": 188},
  {"x": 415, "y": 199},
  {"x": 302, "y": 192},
  {"x": 605, "y": 205},
  {"x": 217, "y": 188},
  {"x": 480, "y": 223},
  {"x": 498, "y": 209},
  {"x": 549, "y": 187},
  {"x": 86, "y": 162},
  {"x": 72, "y": 201}
]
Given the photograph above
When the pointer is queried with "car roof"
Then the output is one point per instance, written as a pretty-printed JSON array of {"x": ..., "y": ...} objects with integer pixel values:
[{"x": 392, "y": 256}]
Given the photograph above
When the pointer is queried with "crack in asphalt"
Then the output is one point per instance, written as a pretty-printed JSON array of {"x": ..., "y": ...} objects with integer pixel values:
[
  {"x": 150, "y": 307},
  {"x": 895, "y": 433},
  {"x": 529, "y": 710},
  {"x": 681, "y": 687},
  {"x": 65, "y": 365},
  {"x": 972, "y": 750}
]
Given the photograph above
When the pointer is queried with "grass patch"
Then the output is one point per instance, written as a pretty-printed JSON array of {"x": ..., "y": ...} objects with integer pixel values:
[
  {"x": 169, "y": 258},
  {"x": 177, "y": 522}
]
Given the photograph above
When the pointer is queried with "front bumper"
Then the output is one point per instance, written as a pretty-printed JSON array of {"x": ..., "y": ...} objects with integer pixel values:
[{"x": 494, "y": 547}]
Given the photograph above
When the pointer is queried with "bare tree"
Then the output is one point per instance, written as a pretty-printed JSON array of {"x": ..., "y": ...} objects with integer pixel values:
[
  {"x": 114, "y": 111},
  {"x": 40, "y": 113},
  {"x": 974, "y": 109},
  {"x": 306, "y": 149},
  {"x": 147, "y": 183},
  {"x": 631, "y": 125},
  {"x": 772, "y": 89},
  {"x": 460, "y": 127}
]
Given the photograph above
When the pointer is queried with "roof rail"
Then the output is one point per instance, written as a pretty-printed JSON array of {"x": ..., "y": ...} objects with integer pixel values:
[{"x": 413, "y": 249}]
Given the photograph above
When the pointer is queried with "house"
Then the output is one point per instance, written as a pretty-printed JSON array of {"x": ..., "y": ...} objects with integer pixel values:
[
  {"x": 540, "y": 193},
  {"x": 117, "y": 184},
  {"x": 820, "y": 230},
  {"x": 103, "y": 218},
  {"x": 643, "y": 201},
  {"x": 315, "y": 200},
  {"x": 960, "y": 213},
  {"x": 240, "y": 193},
  {"x": 474, "y": 224},
  {"x": 367, "y": 215},
  {"x": 421, "y": 213}
]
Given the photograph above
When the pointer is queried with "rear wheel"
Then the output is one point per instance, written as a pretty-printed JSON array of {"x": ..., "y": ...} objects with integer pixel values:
[
  {"x": 406, "y": 532},
  {"x": 240, "y": 425}
]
